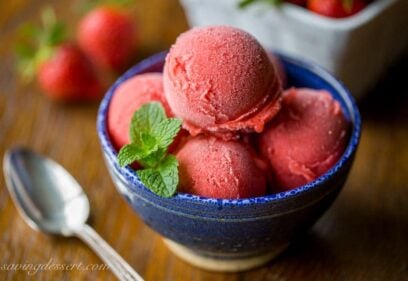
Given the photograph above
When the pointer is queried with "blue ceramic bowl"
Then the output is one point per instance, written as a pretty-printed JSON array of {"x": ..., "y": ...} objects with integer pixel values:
[{"x": 231, "y": 235}]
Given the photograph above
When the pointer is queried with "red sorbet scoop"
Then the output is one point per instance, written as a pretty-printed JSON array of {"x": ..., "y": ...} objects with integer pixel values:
[
  {"x": 219, "y": 79},
  {"x": 128, "y": 98},
  {"x": 220, "y": 169},
  {"x": 306, "y": 138}
]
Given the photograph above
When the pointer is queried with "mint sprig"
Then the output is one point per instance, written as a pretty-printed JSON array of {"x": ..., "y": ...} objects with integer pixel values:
[{"x": 151, "y": 134}]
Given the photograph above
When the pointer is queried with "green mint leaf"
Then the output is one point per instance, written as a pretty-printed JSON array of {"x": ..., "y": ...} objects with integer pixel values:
[
  {"x": 153, "y": 158},
  {"x": 145, "y": 119},
  {"x": 147, "y": 141},
  {"x": 163, "y": 179},
  {"x": 166, "y": 131},
  {"x": 151, "y": 133},
  {"x": 129, "y": 154}
]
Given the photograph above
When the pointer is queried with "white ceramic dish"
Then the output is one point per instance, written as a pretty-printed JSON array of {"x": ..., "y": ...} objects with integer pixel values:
[{"x": 357, "y": 49}]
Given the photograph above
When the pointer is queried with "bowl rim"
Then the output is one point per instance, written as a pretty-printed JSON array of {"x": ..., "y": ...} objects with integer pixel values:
[{"x": 130, "y": 175}]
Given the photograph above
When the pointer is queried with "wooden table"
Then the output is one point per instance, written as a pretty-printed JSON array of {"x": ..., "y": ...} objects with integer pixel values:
[{"x": 364, "y": 236}]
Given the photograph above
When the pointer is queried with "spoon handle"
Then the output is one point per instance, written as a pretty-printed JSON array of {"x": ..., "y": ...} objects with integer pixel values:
[{"x": 116, "y": 263}]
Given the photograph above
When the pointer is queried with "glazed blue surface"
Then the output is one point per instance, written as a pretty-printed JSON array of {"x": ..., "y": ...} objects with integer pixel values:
[{"x": 243, "y": 227}]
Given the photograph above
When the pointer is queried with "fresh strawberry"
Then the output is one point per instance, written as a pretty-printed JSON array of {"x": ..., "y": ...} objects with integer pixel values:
[
  {"x": 62, "y": 70},
  {"x": 68, "y": 75},
  {"x": 336, "y": 8},
  {"x": 107, "y": 35},
  {"x": 298, "y": 2}
]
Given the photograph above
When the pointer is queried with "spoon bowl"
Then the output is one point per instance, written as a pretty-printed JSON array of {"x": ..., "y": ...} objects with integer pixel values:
[
  {"x": 49, "y": 198},
  {"x": 52, "y": 201}
]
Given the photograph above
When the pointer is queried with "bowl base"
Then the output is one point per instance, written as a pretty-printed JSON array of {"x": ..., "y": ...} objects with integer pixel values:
[{"x": 223, "y": 265}]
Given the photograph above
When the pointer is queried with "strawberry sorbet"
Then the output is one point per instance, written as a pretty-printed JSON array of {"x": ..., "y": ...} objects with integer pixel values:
[
  {"x": 128, "y": 98},
  {"x": 215, "y": 168},
  {"x": 306, "y": 138},
  {"x": 219, "y": 79}
]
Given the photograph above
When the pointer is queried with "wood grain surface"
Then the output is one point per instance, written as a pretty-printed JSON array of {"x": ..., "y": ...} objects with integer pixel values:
[{"x": 364, "y": 236}]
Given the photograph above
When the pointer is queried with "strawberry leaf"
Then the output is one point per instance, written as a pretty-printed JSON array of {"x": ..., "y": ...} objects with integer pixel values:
[
  {"x": 56, "y": 34},
  {"x": 348, "y": 5},
  {"x": 245, "y": 3},
  {"x": 29, "y": 30},
  {"x": 92, "y": 4},
  {"x": 24, "y": 51},
  {"x": 36, "y": 45}
]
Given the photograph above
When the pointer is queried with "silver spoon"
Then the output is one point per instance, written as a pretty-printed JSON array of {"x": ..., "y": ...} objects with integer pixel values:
[{"x": 51, "y": 200}]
